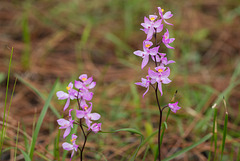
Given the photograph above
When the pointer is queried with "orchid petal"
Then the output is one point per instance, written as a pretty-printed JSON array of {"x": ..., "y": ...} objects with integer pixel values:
[{"x": 67, "y": 104}]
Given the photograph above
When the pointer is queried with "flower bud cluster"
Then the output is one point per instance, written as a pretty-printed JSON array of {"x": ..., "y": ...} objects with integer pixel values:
[
  {"x": 152, "y": 26},
  {"x": 80, "y": 92}
]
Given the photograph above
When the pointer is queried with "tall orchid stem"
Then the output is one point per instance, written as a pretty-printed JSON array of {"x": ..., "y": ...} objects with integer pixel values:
[
  {"x": 81, "y": 126},
  {"x": 159, "y": 136},
  {"x": 159, "y": 107},
  {"x": 160, "y": 124},
  {"x": 84, "y": 143}
]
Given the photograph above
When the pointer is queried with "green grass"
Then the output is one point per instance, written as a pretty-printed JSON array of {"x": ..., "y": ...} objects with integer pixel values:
[
  {"x": 40, "y": 120},
  {"x": 5, "y": 106}
]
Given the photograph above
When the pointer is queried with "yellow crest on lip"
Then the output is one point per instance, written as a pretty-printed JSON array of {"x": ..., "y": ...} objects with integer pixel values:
[
  {"x": 68, "y": 88},
  {"x": 160, "y": 70},
  {"x": 84, "y": 79},
  {"x": 152, "y": 18},
  {"x": 72, "y": 139},
  {"x": 147, "y": 45},
  {"x": 162, "y": 10}
]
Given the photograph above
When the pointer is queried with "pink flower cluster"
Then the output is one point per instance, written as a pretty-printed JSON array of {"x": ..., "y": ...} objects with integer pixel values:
[
  {"x": 159, "y": 76},
  {"x": 81, "y": 94}
]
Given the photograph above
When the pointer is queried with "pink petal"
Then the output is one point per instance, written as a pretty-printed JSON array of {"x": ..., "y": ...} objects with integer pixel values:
[
  {"x": 72, "y": 155},
  {"x": 138, "y": 53},
  {"x": 62, "y": 95},
  {"x": 94, "y": 116},
  {"x": 145, "y": 61},
  {"x": 70, "y": 113},
  {"x": 78, "y": 84},
  {"x": 62, "y": 122},
  {"x": 82, "y": 76},
  {"x": 70, "y": 85},
  {"x": 160, "y": 88},
  {"x": 89, "y": 80},
  {"x": 67, "y": 104},
  {"x": 168, "y": 46},
  {"x": 166, "y": 80},
  {"x": 150, "y": 33},
  {"x": 88, "y": 122},
  {"x": 92, "y": 85},
  {"x": 66, "y": 133},
  {"x": 80, "y": 114},
  {"x": 67, "y": 146},
  {"x": 168, "y": 23},
  {"x": 167, "y": 15},
  {"x": 88, "y": 96},
  {"x": 160, "y": 28},
  {"x": 145, "y": 92},
  {"x": 157, "y": 23},
  {"x": 171, "y": 40}
]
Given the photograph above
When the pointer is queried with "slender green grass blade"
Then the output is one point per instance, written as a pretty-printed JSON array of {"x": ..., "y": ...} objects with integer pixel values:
[
  {"x": 15, "y": 150},
  {"x": 156, "y": 153},
  {"x": 238, "y": 155},
  {"x": 213, "y": 130},
  {"x": 40, "y": 120},
  {"x": 235, "y": 74},
  {"x": 205, "y": 138},
  {"x": 5, "y": 127},
  {"x": 224, "y": 134},
  {"x": 25, "y": 155},
  {"x": 119, "y": 43},
  {"x": 26, "y": 143},
  {"x": 135, "y": 132},
  {"x": 100, "y": 155},
  {"x": 34, "y": 123},
  {"x": 145, "y": 154},
  {"x": 237, "y": 120},
  {"x": 5, "y": 104},
  {"x": 136, "y": 100},
  {"x": 149, "y": 130},
  {"x": 2, "y": 77},
  {"x": 131, "y": 131},
  {"x": 215, "y": 140},
  {"x": 164, "y": 127},
  {"x": 56, "y": 146},
  {"x": 14, "y": 86},
  {"x": 42, "y": 156},
  {"x": 39, "y": 94}
]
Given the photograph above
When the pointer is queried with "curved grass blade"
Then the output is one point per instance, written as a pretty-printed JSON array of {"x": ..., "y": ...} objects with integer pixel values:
[
  {"x": 5, "y": 104},
  {"x": 224, "y": 128},
  {"x": 205, "y": 138},
  {"x": 213, "y": 130},
  {"x": 131, "y": 131},
  {"x": 224, "y": 134},
  {"x": 135, "y": 132},
  {"x": 40, "y": 120},
  {"x": 25, "y": 155},
  {"x": 38, "y": 93},
  {"x": 56, "y": 146},
  {"x": 15, "y": 153},
  {"x": 145, "y": 154}
]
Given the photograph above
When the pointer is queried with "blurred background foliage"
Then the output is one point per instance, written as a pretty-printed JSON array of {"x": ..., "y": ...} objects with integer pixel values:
[{"x": 66, "y": 38}]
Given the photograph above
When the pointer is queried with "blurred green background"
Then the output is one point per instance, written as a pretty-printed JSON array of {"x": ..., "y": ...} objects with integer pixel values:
[{"x": 63, "y": 39}]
